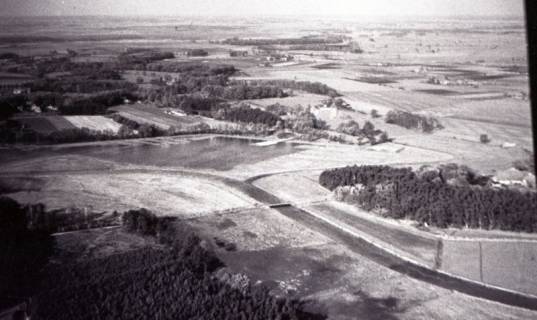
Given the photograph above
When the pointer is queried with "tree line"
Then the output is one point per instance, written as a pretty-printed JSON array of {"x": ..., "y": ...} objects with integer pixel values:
[
  {"x": 283, "y": 41},
  {"x": 430, "y": 198},
  {"x": 307, "y": 86},
  {"x": 244, "y": 113}
]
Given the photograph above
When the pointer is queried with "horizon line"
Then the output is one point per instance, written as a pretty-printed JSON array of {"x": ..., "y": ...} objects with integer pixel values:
[{"x": 270, "y": 15}]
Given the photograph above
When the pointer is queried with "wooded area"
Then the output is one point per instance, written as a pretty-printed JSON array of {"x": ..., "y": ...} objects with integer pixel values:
[
  {"x": 428, "y": 198},
  {"x": 176, "y": 282}
]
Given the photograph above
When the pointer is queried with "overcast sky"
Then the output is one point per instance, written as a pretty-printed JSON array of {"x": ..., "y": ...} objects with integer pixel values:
[{"x": 262, "y": 7}]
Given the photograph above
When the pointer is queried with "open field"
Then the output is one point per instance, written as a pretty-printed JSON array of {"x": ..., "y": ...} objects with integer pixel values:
[
  {"x": 504, "y": 263},
  {"x": 343, "y": 282},
  {"x": 97, "y": 123},
  {"x": 322, "y": 155},
  {"x": 166, "y": 194},
  {"x": 498, "y": 133},
  {"x": 292, "y": 259},
  {"x": 94, "y": 244},
  {"x": 294, "y": 187},
  {"x": 152, "y": 116},
  {"x": 299, "y": 99},
  {"x": 483, "y": 158},
  {"x": 257, "y": 229},
  {"x": 50, "y": 124},
  {"x": 46, "y": 125},
  {"x": 500, "y": 111}
]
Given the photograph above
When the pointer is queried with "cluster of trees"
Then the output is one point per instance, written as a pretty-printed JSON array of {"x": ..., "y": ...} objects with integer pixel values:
[
  {"x": 68, "y": 104},
  {"x": 192, "y": 69},
  {"x": 338, "y": 103},
  {"x": 245, "y": 113},
  {"x": 311, "y": 87},
  {"x": 303, "y": 120},
  {"x": 412, "y": 121},
  {"x": 429, "y": 198},
  {"x": 133, "y": 129},
  {"x": 368, "y": 131},
  {"x": 176, "y": 282},
  {"x": 278, "y": 109},
  {"x": 68, "y": 219},
  {"x": 140, "y": 221},
  {"x": 197, "y": 104}
]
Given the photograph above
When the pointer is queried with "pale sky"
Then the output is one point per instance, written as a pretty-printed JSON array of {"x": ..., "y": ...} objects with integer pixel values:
[{"x": 263, "y": 7}]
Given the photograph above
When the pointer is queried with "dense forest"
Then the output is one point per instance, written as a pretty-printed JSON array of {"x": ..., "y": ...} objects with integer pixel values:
[
  {"x": 435, "y": 197},
  {"x": 177, "y": 278},
  {"x": 97, "y": 103},
  {"x": 176, "y": 281}
]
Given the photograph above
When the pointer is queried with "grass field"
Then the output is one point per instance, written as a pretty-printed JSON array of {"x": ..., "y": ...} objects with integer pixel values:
[
  {"x": 501, "y": 111},
  {"x": 480, "y": 261},
  {"x": 314, "y": 157},
  {"x": 294, "y": 187},
  {"x": 257, "y": 229},
  {"x": 97, "y": 123},
  {"x": 164, "y": 194},
  {"x": 498, "y": 133},
  {"x": 153, "y": 116},
  {"x": 50, "y": 124},
  {"x": 94, "y": 244}
]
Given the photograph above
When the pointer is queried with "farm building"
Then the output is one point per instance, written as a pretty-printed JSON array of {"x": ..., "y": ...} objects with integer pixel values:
[
  {"x": 514, "y": 177},
  {"x": 238, "y": 53}
]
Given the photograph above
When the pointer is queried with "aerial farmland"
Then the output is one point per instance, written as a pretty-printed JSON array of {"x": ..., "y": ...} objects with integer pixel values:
[{"x": 267, "y": 168}]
